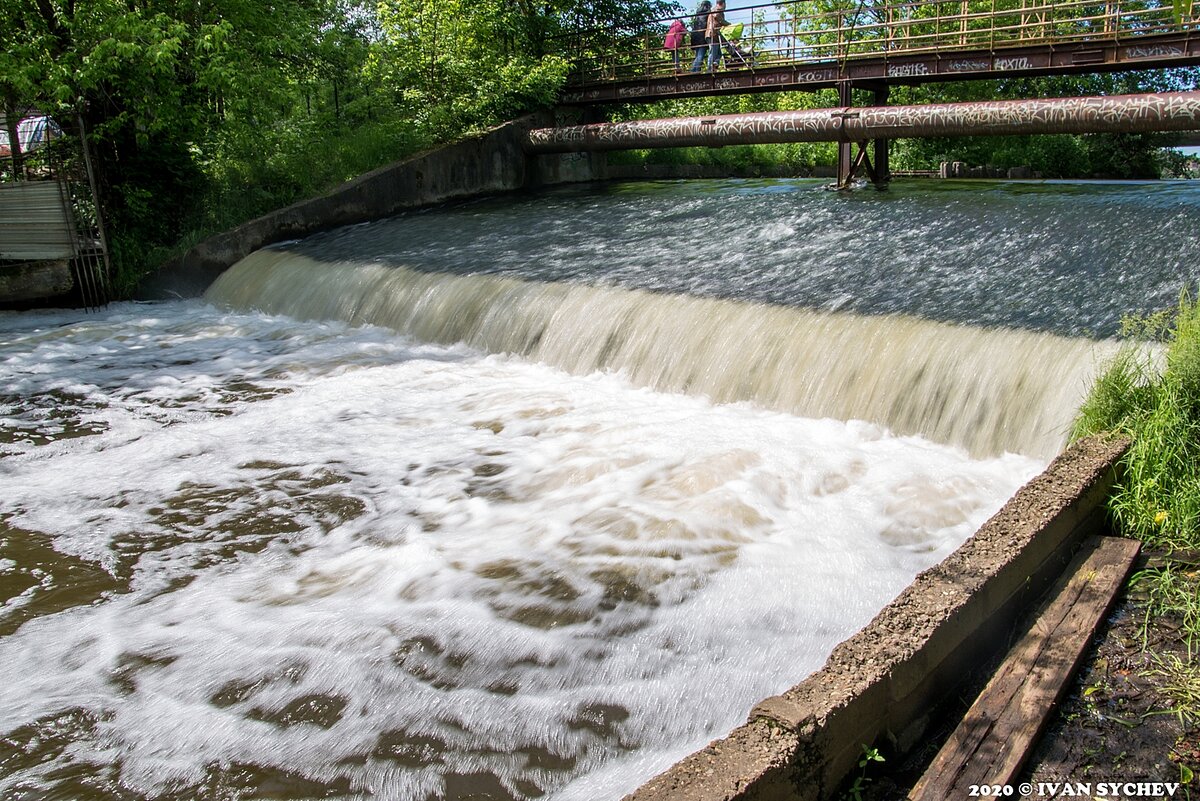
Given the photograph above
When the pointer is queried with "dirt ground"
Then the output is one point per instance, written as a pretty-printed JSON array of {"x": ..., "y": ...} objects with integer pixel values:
[{"x": 1113, "y": 725}]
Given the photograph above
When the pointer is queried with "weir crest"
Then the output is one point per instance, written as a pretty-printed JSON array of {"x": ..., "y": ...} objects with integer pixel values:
[{"x": 988, "y": 390}]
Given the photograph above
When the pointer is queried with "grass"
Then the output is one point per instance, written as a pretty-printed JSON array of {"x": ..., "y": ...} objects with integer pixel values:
[{"x": 1151, "y": 393}]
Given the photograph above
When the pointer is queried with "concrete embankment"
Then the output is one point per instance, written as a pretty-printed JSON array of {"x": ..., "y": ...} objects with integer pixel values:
[
  {"x": 489, "y": 163},
  {"x": 883, "y": 686}
]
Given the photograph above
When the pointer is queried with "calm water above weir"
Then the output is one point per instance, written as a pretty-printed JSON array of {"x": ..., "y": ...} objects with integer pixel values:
[{"x": 451, "y": 505}]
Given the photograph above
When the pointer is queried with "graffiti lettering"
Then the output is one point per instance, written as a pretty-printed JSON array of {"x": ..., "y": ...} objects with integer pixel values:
[
  {"x": 813, "y": 76},
  {"x": 1021, "y": 63},
  {"x": 632, "y": 91},
  {"x": 1155, "y": 51},
  {"x": 906, "y": 70},
  {"x": 967, "y": 65}
]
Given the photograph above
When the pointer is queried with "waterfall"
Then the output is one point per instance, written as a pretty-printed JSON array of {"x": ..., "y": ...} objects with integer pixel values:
[{"x": 987, "y": 390}]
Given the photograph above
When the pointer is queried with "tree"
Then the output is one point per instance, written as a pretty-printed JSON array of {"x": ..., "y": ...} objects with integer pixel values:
[{"x": 157, "y": 85}]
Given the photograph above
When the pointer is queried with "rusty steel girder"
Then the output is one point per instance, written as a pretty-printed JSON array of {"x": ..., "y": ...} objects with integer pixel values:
[{"x": 1165, "y": 111}]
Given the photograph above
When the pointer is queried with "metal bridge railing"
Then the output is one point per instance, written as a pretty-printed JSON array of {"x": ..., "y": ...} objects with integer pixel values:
[{"x": 784, "y": 34}]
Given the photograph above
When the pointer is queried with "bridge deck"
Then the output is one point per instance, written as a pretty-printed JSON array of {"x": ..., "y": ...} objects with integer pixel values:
[{"x": 897, "y": 43}]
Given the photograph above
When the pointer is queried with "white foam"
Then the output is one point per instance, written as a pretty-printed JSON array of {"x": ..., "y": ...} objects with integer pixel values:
[{"x": 331, "y": 535}]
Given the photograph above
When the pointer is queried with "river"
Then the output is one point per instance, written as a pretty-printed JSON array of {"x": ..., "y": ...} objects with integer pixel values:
[{"x": 530, "y": 496}]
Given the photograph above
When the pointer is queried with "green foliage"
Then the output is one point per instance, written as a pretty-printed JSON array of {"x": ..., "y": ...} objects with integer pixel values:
[
  {"x": 1151, "y": 393},
  {"x": 204, "y": 115},
  {"x": 1158, "y": 500},
  {"x": 858, "y": 786},
  {"x": 454, "y": 65}
]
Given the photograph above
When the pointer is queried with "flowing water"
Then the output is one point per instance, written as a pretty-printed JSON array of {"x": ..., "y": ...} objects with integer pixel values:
[{"x": 526, "y": 497}]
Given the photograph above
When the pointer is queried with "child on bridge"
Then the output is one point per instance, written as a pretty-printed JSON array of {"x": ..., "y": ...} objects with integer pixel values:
[{"x": 674, "y": 40}]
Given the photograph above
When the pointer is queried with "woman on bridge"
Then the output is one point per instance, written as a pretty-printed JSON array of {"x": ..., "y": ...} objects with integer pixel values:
[
  {"x": 697, "y": 39},
  {"x": 716, "y": 21}
]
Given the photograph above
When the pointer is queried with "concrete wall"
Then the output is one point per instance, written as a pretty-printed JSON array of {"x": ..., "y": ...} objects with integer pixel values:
[
  {"x": 31, "y": 280},
  {"x": 882, "y": 685},
  {"x": 490, "y": 163}
]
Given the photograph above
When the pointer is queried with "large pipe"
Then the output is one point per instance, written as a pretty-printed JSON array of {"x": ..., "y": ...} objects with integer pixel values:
[{"x": 1166, "y": 111}]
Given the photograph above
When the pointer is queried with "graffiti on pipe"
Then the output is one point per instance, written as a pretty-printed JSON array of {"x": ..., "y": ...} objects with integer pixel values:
[{"x": 1134, "y": 113}]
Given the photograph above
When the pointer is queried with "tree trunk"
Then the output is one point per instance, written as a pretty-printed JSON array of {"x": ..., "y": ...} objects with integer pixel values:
[{"x": 11, "y": 119}]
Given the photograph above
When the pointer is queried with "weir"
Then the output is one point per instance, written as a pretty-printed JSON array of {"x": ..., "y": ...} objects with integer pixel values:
[{"x": 989, "y": 391}]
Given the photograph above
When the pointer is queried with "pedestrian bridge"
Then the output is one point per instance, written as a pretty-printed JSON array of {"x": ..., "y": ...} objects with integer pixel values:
[{"x": 796, "y": 46}]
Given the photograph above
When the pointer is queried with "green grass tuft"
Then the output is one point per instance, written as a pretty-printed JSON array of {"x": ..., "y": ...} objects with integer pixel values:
[
  {"x": 1153, "y": 396},
  {"x": 1155, "y": 401}
]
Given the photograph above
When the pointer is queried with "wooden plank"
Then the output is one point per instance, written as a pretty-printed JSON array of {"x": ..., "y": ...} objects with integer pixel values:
[{"x": 991, "y": 744}]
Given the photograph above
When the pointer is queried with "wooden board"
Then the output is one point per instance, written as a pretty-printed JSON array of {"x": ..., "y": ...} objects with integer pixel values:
[{"x": 992, "y": 743}]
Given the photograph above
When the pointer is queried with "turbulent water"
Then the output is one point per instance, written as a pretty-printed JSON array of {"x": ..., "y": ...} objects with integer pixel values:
[{"x": 399, "y": 527}]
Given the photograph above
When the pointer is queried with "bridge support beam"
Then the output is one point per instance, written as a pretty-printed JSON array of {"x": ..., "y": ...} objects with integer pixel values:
[
  {"x": 849, "y": 164},
  {"x": 1165, "y": 111},
  {"x": 883, "y": 171},
  {"x": 845, "y": 151}
]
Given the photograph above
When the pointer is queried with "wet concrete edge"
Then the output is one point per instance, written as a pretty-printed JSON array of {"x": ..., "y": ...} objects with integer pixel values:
[{"x": 881, "y": 685}]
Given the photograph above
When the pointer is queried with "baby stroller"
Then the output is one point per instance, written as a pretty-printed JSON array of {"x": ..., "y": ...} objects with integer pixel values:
[{"x": 737, "y": 56}]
